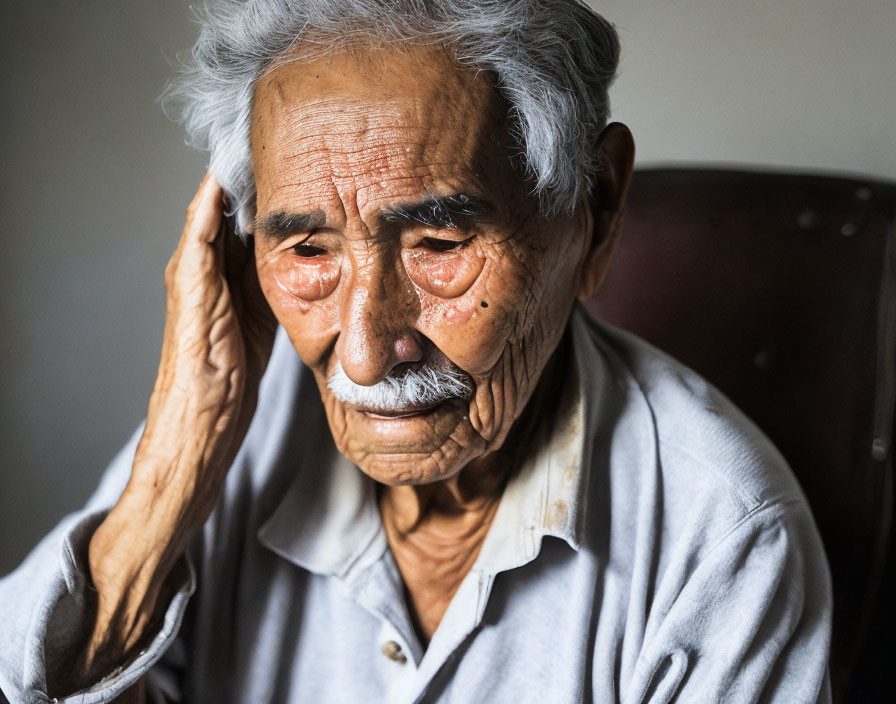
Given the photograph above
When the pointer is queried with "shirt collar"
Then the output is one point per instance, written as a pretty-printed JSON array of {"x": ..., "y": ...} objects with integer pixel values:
[
  {"x": 547, "y": 497},
  {"x": 328, "y": 521}
]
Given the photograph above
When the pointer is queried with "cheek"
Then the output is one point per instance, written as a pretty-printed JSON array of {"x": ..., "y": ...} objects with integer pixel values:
[
  {"x": 517, "y": 298},
  {"x": 472, "y": 328},
  {"x": 304, "y": 300}
]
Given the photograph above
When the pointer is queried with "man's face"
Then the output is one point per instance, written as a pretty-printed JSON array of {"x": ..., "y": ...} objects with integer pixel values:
[{"x": 393, "y": 233}]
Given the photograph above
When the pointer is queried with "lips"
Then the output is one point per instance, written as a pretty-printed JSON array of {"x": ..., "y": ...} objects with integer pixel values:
[{"x": 409, "y": 412}]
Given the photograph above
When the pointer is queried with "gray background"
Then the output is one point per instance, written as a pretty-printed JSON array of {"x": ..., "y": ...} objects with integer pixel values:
[{"x": 95, "y": 181}]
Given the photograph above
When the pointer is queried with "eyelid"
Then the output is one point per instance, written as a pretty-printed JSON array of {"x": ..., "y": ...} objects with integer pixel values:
[
  {"x": 465, "y": 240},
  {"x": 445, "y": 244},
  {"x": 289, "y": 243}
]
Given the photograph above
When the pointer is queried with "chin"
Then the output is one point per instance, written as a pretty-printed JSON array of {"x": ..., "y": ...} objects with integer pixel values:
[
  {"x": 431, "y": 445},
  {"x": 405, "y": 470}
]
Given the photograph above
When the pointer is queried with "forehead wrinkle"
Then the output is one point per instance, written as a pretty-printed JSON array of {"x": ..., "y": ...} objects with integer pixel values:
[
  {"x": 322, "y": 198},
  {"x": 385, "y": 177},
  {"x": 354, "y": 135},
  {"x": 377, "y": 158},
  {"x": 385, "y": 110},
  {"x": 355, "y": 127},
  {"x": 365, "y": 161},
  {"x": 381, "y": 169},
  {"x": 367, "y": 143},
  {"x": 350, "y": 124},
  {"x": 390, "y": 156}
]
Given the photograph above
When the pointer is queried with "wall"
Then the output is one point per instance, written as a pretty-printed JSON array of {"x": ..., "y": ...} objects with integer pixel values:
[
  {"x": 95, "y": 182},
  {"x": 805, "y": 83}
]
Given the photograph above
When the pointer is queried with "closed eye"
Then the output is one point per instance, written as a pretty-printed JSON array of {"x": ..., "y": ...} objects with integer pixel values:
[{"x": 441, "y": 245}]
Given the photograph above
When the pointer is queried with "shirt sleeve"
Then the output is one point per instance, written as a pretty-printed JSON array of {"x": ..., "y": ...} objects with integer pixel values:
[
  {"x": 751, "y": 624},
  {"x": 43, "y": 608}
]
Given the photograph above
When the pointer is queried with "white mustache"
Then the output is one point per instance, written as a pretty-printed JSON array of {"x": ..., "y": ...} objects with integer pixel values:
[{"x": 399, "y": 391}]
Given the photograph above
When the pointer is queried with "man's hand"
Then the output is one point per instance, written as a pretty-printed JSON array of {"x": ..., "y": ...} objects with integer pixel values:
[
  {"x": 218, "y": 336},
  {"x": 219, "y": 332}
]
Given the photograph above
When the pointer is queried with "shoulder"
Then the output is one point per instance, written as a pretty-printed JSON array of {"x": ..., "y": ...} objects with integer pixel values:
[
  {"x": 684, "y": 484},
  {"x": 678, "y": 470},
  {"x": 701, "y": 437}
]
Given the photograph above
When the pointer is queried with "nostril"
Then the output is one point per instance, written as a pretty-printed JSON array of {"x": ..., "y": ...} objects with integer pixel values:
[{"x": 408, "y": 349}]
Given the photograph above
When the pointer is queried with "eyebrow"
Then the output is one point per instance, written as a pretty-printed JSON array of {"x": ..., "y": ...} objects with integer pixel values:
[
  {"x": 281, "y": 225},
  {"x": 440, "y": 212}
]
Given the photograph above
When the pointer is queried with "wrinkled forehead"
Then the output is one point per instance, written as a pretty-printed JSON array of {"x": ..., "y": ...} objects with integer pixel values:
[{"x": 376, "y": 129}]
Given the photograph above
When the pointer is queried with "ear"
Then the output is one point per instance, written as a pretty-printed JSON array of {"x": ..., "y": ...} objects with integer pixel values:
[{"x": 615, "y": 154}]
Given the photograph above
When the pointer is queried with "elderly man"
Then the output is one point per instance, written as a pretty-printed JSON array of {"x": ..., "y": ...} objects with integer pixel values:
[{"x": 512, "y": 503}]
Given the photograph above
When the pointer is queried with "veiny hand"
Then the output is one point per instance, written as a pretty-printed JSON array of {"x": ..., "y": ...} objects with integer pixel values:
[
  {"x": 219, "y": 332},
  {"x": 218, "y": 336}
]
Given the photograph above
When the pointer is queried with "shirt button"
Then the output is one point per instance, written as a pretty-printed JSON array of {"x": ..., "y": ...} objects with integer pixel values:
[{"x": 392, "y": 650}]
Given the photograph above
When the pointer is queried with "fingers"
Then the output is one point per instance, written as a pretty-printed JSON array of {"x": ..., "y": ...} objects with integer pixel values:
[
  {"x": 205, "y": 212},
  {"x": 198, "y": 254}
]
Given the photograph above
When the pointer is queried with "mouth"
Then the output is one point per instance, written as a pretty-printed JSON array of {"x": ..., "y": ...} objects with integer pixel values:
[{"x": 409, "y": 412}]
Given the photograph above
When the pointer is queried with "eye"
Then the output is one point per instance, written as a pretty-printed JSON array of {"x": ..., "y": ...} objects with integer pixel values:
[
  {"x": 442, "y": 245},
  {"x": 307, "y": 251}
]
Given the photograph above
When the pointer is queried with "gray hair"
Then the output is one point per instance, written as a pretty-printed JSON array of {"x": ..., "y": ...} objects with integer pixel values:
[
  {"x": 402, "y": 390},
  {"x": 554, "y": 61}
]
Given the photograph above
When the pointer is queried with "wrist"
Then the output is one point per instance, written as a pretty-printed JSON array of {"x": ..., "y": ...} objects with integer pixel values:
[
  {"x": 131, "y": 547},
  {"x": 133, "y": 557}
]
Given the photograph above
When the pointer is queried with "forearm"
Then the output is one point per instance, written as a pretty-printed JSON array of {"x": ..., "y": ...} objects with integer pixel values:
[
  {"x": 135, "y": 566},
  {"x": 200, "y": 409},
  {"x": 131, "y": 557},
  {"x": 48, "y": 607}
]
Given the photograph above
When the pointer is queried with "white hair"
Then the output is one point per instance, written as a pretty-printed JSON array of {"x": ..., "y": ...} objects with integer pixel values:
[
  {"x": 401, "y": 390},
  {"x": 554, "y": 61}
]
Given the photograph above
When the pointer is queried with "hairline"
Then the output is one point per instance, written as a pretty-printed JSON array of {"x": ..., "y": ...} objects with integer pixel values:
[{"x": 553, "y": 60}]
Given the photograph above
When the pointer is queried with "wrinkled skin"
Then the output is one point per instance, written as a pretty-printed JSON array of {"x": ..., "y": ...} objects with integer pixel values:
[{"x": 351, "y": 137}]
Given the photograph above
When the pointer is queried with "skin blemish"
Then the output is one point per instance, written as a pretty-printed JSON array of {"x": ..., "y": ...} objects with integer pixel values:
[
  {"x": 460, "y": 312},
  {"x": 484, "y": 304}
]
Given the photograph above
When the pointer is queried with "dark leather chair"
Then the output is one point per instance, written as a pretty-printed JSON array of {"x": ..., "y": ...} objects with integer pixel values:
[{"x": 781, "y": 290}]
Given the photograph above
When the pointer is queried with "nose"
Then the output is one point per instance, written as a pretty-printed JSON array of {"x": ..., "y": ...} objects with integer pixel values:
[{"x": 377, "y": 323}]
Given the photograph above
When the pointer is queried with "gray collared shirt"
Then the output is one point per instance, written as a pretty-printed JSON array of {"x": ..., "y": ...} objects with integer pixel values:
[{"x": 653, "y": 548}]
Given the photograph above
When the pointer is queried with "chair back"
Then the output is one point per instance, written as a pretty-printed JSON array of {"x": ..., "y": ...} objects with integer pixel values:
[{"x": 780, "y": 289}]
